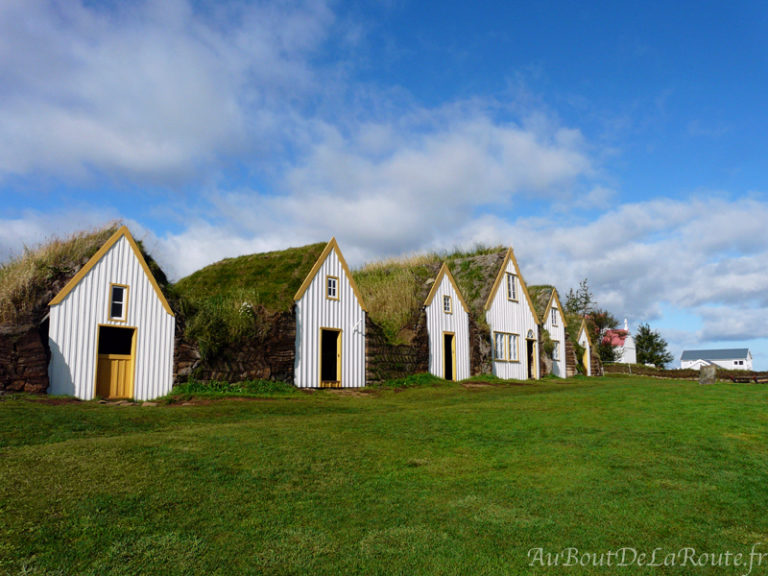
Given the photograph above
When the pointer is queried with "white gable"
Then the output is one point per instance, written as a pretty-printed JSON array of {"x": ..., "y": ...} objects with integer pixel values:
[
  {"x": 75, "y": 321},
  {"x": 315, "y": 311},
  {"x": 447, "y": 317}
]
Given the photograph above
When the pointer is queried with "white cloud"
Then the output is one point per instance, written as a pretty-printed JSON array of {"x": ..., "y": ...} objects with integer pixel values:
[{"x": 150, "y": 90}]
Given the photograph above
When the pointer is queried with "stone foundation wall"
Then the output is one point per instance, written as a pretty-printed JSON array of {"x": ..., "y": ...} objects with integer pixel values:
[
  {"x": 24, "y": 357},
  {"x": 385, "y": 361},
  {"x": 269, "y": 359}
]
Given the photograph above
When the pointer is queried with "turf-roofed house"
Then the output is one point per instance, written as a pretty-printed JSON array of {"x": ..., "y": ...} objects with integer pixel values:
[
  {"x": 512, "y": 323},
  {"x": 554, "y": 328},
  {"x": 112, "y": 330},
  {"x": 589, "y": 360},
  {"x": 448, "y": 328},
  {"x": 292, "y": 315}
]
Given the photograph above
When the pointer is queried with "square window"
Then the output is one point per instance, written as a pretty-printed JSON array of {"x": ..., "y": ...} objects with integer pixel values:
[
  {"x": 447, "y": 305},
  {"x": 118, "y": 296},
  {"x": 332, "y": 288}
]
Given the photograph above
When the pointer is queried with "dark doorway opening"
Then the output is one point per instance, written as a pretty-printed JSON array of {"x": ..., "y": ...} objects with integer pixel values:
[
  {"x": 448, "y": 356},
  {"x": 114, "y": 340},
  {"x": 531, "y": 353},
  {"x": 330, "y": 357}
]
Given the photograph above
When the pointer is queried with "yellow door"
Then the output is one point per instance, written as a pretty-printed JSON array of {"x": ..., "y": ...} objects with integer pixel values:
[
  {"x": 115, "y": 376},
  {"x": 586, "y": 362}
]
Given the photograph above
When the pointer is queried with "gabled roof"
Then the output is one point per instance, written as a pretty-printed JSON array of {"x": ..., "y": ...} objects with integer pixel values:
[
  {"x": 615, "y": 337},
  {"x": 717, "y": 354},
  {"x": 544, "y": 298},
  {"x": 332, "y": 245},
  {"x": 510, "y": 255},
  {"x": 445, "y": 271},
  {"x": 120, "y": 233},
  {"x": 583, "y": 328}
]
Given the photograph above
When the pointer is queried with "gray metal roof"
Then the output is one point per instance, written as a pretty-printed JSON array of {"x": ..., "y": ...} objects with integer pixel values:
[{"x": 722, "y": 354}]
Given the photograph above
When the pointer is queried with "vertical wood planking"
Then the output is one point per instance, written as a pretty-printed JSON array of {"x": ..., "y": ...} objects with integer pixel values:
[{"x": 439, "y": 322}]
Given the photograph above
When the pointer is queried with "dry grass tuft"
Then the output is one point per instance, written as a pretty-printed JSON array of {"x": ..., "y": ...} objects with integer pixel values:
[{"x": 26, "y": 282}]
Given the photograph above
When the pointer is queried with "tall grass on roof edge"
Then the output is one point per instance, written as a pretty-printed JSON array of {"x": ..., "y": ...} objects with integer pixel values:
[{"x": 29, "y": 281}]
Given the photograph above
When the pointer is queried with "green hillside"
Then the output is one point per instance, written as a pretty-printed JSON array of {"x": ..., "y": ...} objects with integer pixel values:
[{"x": 270, "y": 279}]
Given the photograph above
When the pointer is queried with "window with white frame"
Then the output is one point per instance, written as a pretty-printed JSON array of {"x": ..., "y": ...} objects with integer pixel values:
[
  {"x": 511, "y": 286},
  {"x": 118, "y": 302},
  {"x": 447, "y": 305},
  {"x": 332, "y": 288},
  {"x": 554, "y": 316},
  {"x": 506, "y": 346},
  {"x": 556, "y": 350}
]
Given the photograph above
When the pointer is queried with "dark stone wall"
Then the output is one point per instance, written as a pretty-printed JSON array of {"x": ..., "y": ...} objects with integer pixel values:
[
  {"x": 24, "y": 356},
  {"x": 385, "y": 361},
  {"x": 268, "y": 358},
  {"x": 480, "y": 349}
]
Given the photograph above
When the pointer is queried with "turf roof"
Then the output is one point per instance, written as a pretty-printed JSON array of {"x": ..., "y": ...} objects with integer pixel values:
[
  {"x": 541, "y": 295},
  {"x": 270, "y": 279},
  {"x": 395, "y": 290}
]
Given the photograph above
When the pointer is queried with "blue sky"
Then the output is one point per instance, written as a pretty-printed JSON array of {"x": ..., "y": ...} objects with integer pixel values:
[{"x": 622, "y": 142}]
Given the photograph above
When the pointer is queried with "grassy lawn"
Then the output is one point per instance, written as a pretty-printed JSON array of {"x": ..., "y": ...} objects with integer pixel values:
[{"x": 441, "y": 479}]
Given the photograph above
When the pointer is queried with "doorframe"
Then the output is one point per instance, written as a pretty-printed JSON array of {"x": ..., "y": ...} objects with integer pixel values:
[
  {"x": 453, "y": 354},
  {"x": 133, "y": 355},
  {"x": 535, "y": 355},
  {"x": 339, "y": 351}
]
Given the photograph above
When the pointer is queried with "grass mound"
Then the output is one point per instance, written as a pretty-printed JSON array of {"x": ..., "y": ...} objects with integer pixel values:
[
  {"x": 28, "y": 282},
  {"x": 394, "y": 290}
]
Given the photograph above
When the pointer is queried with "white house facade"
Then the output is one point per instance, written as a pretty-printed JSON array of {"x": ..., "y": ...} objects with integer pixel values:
[
  {"x": 554, "y": 323},
  {"x": 730, "y": 359},
  {"x": 111, "y": 329},
  {"x": 330, "y": 326},
  {"x": 513, "y": 324},
  {"x": 448, "y": 328}
]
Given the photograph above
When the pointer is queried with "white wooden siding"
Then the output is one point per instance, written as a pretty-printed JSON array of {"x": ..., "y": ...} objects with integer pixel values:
[
  {"x": 556, "y": 333},
  {"x": 74, "y": 326},
  {"x": 313, "y": 312},
  {"x": 439, "y": 322},
  {"x": 514, "y": 317}
]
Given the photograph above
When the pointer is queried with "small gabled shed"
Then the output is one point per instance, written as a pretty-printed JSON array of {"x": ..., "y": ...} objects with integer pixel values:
[
  {"x": 111, "y": 328},
  {"x": 330, "y": 325},
  {"x": 448, "y": 328},
  {"x": 513, "y": 324},
  {"x": 586, "y": 343},
  {"x": 552, "y": 319}
]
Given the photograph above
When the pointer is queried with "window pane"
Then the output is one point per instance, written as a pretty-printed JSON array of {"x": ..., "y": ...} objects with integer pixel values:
[
  {"x": 499, "y": 346},
  {"x": 116, "y": 311},
  {"x": 117, "y": 302},
  {"x": 513, "y": 346}
]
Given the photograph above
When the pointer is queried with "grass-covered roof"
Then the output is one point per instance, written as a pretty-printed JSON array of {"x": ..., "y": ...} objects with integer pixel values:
[
  {"x": 540, "y": 295},
  {"x": 395, "y": 290},
  {"x": 30, "y": 281},
  {"x": 270, "y": 279}
]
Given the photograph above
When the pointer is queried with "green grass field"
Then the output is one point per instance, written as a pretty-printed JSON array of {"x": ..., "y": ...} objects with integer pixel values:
[{"x": 442, "y": 479}]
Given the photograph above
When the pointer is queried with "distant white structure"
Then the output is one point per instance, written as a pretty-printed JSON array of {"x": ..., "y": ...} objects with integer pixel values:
[
  {"x": 622, "y": 343},
  {"x": 448, "y": 328},
  {"x": 729, "y": 358},
  {"x": 112, "y": 330},
  {"x": 330, "y": 326}
]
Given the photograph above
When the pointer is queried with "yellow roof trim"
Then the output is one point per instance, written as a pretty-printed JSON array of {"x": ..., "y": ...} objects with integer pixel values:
[
  {"x": 332, "y": 245},
  {"x": 445, "y": 271},
  {"x": 583, "y": 328},
  {"x": 75, "y": 280},
  {"x": 511, "y": 256},
  {"x": 552, "y": 298}
]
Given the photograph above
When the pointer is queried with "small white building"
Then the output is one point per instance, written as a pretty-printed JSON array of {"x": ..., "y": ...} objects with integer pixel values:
[
  {"x": 448, "y": 328},
  {"x": 585, "y": 342},
  {"x": 111, "y": 329},
  {"x": 330, "y": 326},
  {"x": 730, "y": 359},
  {"x": 554, "y": 323},
  {"x": 513, "y": 323},
  {"x": 622, "y": 343}
]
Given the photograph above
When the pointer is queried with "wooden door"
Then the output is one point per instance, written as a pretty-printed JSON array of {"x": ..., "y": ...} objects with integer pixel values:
[{"x": 114, "y": 368}]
